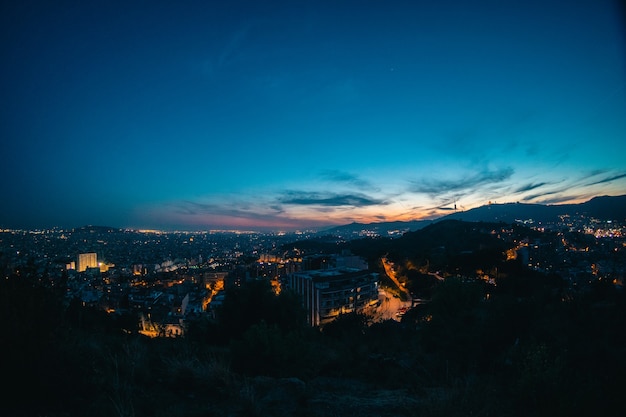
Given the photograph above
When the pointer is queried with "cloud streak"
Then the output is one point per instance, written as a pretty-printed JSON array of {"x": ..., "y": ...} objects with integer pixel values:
[
  {"x": 194, "y": 208},
  {"x": 437, "y": 187},
  {"x": 329, "y": 199},
  {"x": 342, "y": 177},
  {"x": 607, "y": 179},
  {"x": 529, "y": 187},
  {"x": 544, "y": 194}
]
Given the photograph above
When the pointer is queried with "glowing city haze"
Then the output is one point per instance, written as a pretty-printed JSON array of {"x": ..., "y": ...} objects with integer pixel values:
[{"x": 285, "y": 115}]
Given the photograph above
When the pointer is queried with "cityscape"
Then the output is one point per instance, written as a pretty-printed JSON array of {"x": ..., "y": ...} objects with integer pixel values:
[
  {"x": 166, "y": 276},
  {"x": 172, "y": 285},
  {"x": 313, "y": 208}
]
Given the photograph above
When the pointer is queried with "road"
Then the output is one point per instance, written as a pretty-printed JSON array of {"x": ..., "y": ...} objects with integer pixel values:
[
  {"x": 389, "y": 305},
  {"x": 392, "y": 275}
]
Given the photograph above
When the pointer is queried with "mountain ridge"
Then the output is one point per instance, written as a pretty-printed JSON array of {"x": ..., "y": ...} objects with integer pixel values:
[{"x": 601, "y": 207}]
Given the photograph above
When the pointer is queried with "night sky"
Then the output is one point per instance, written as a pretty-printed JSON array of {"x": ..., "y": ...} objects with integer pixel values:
[{"x": 190, "y": 115}]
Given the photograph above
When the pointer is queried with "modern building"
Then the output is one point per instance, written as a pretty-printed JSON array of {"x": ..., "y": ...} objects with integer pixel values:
[
  {"x": 86, "y": 260},
  {"x": 327, "y": 293}
]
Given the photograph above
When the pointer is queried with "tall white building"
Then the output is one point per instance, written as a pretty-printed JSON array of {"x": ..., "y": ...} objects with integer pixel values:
[{"x": 86, "y": 260}]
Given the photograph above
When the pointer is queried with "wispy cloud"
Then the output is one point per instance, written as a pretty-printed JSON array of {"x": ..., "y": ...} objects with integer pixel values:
[
  {"x": 544, "y": 194},
  {"x": 563, "y": 199},
  {"x": 290, "y": 208},
  {"x": 571, "y": 189},
  {"x": 436, "y": 187},
  {"x": 529, "y": 187},
  {"x": 231, "y": 209},
  {"x": 608, "y": 179},
  {"x": 595, "y": 172},
  {"x": 329, "y": 199},
  {"x": 342, "y": 177}
]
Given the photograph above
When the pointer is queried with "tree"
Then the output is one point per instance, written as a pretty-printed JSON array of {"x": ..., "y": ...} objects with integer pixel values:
[{"x": 254, "y": 302}]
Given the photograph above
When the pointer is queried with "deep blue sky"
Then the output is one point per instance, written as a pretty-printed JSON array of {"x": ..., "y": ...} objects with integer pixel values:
[{"x": 261, "y": 114}]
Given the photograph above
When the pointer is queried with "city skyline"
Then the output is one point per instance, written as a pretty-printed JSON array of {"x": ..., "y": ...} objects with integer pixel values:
[{"x": 279, "y": 115}]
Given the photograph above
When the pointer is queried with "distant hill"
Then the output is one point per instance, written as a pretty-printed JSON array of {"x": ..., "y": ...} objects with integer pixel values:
[
  {"x": 381, "y": 228},
  {"x": 603, "y": 208}
]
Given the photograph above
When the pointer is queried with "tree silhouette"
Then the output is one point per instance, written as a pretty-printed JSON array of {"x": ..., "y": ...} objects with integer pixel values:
[{"x": 255, "y": 302}]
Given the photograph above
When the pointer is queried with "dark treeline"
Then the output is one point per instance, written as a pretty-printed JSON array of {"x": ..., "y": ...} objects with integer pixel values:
[{"x": 523, "y": 347}]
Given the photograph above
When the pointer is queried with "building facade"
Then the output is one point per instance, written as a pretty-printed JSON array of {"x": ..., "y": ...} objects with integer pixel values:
[
  {"x": 86, "y": 260},
  {"x": 327, "y": 293}
]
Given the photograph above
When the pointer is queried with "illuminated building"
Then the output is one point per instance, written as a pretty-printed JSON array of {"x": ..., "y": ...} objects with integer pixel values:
[
  {"x": 86, "y": 260},
  {"x": 327, "y": 293}
]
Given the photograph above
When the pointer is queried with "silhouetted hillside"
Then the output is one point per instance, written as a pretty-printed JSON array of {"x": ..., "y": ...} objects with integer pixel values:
[
  {"x": 454, "y": 236},
  {"x": 450, "y": 246},
  {"x": 603, "y": 208},
  {"x": 382, "y": 228},
  {"x": 606, "y": 208}
]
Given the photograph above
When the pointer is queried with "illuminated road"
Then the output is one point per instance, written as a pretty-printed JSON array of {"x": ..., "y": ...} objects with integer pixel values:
[
  {"x": 392, "y": 275},
  {"x": 390, "y": 305}
]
